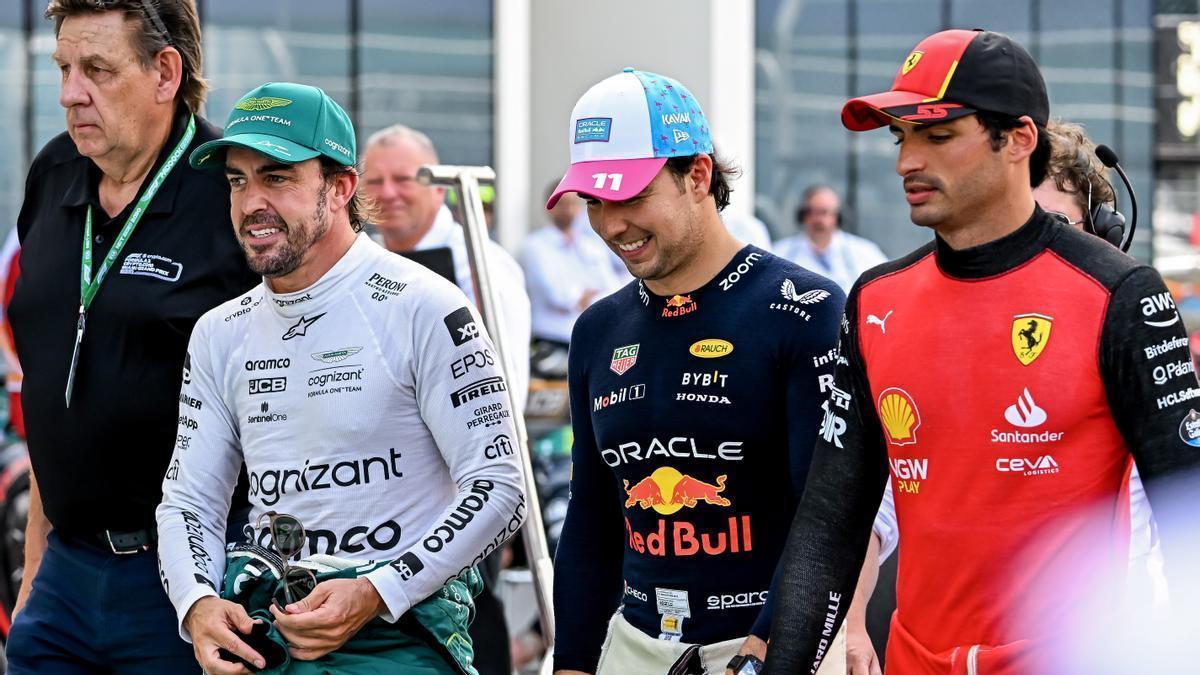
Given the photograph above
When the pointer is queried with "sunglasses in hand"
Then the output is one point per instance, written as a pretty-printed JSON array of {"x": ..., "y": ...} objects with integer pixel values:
[{"x": 287, "y": 539}]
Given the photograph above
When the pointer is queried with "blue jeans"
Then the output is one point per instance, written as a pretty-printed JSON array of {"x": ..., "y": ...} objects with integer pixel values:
[{"x": 90, "y": 611}]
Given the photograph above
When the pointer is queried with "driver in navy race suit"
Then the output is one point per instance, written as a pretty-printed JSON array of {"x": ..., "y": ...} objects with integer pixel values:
[{"x": 696, "y": 395}]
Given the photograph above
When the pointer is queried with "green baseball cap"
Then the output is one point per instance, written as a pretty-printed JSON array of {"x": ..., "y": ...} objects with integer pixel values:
[{"x": 285, "y": 121}]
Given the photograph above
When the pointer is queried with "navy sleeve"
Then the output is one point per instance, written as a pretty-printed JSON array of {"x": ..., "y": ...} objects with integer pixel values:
[
  {"x": 829, "y": 536},
  {"x": 809, "y": 362},
  {"x": 587, "y": 564},
  {"x": 1152, "y": 391}
]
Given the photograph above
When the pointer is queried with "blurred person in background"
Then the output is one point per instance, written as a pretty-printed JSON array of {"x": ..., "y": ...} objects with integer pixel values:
[
  {"x": 1014, "y": 360},
  {"x": 1074, "y": 173},
  {"x": 747, "y": 229},
  {"x": 414, "y": 217},
  {"x": 566, "y": 270},
  {"x": 822, "y": 246},
  {"x": 1076, "y": 181},
  {"x": 156, "y": 250}
]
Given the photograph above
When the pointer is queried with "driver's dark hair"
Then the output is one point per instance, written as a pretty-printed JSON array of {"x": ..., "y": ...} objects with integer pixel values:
[
  {"x": 723, "y": 172},
  {"x": 998, "y": 123},
  {"x": 362, "y": 208}
]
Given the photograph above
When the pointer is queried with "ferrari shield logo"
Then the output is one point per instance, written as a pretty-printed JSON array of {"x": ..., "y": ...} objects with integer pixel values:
[
  {"x": 1030, "y": 333},
  {"x": 911, "y": 62}
]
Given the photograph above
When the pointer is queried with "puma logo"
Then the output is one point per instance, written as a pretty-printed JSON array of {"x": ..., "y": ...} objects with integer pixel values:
[{"x": 872, "y": 319}]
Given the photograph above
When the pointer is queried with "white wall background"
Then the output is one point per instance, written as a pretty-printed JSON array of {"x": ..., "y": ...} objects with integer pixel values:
[{"x": 706, "y": 44}]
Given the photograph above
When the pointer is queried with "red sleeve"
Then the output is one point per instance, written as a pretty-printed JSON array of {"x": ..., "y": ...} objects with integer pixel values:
[{"x": 14, "y": 395}]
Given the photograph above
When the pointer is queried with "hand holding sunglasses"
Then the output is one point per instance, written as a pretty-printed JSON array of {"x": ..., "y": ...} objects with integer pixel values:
[
  {"x": 287, "y": 539},
  {"x": 329, "y": 617}
]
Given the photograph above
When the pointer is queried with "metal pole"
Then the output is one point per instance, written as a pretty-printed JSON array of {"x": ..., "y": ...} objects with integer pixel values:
[
  {"x": 467, "y": 179},
  {"x": 355, "y": 20}
]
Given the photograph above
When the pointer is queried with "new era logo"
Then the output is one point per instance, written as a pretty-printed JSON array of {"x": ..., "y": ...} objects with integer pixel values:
[
  {"x": 680, "y": 135},
  {"x": 461, "y": 324}
]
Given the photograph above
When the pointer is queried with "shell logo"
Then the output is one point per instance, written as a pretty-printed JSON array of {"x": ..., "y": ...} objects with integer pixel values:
[
  {"x": 899, "y": 415},
  {"x": 711, "y": 348}
]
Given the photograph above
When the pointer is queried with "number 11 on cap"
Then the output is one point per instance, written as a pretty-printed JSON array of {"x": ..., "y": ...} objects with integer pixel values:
[{"x": 614, "y": 180}]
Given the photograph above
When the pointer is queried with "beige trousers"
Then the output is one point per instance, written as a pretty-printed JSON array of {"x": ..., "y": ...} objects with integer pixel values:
[{"x": 629, "y": 651}]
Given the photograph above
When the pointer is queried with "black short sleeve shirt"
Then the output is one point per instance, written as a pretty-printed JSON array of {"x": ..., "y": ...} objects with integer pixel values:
[{"x": 99, "y": 464}]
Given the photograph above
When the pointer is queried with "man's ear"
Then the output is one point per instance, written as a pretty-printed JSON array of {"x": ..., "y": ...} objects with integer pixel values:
[
  {"x": 700, "y": 177},
  {"x": 168, "y": 65},
  {"x": 1022, "y": 140},
  {"x": 344, "y": 185}
]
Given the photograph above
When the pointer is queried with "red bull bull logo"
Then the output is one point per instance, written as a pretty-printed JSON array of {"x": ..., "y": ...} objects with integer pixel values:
[
  {"x": 666, "y": 491},
  {"x": 645, "y": 493},
  {"x": 678, "y": 305}
]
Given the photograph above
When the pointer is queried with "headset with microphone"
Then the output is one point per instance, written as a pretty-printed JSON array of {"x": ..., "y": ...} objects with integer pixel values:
[
  {"x": 1103, "y": 220},
  {"x": 802, "y": 212}
]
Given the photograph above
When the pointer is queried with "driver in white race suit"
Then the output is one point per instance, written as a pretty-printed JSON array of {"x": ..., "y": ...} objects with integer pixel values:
[{"x": 358, "y": 387}]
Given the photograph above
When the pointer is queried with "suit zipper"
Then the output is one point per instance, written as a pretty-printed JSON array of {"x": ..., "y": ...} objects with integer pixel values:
[{"x": 972, "y": 666}]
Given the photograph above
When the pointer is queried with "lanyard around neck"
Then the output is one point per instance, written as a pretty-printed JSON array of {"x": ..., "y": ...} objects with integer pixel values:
[{"x": 88, "y": 286}]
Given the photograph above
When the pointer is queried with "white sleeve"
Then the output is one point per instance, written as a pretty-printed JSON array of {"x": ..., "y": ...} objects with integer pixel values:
[
  {"x": 785, "y": 248},
  {"x": 490, "y": 504},
  {"x": 546, "y": 279},
  {"x": 748, "y": 229},
  {"x": 885, "y": 525},
  {"x": 517, "y": 324},
  {"x": 199, "y": 483},
  {"x": 871, "y": 255},
  {"x": 1143, "y": 531}
]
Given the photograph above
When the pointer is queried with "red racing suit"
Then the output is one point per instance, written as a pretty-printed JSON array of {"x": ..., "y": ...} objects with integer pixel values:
[{"x": 1006, "y": 389}]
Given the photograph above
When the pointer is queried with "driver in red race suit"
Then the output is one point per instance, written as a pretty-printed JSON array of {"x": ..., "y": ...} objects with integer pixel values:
[{"x": 1008, "y": 374}]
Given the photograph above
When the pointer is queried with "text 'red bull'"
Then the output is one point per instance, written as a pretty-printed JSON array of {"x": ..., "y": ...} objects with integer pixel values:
[
  {"x": 678, "y": 305},
  {"x": 685, "y": 541}
]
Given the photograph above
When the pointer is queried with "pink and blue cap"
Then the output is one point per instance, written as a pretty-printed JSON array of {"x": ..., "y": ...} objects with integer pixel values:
[{"x": 624, "y": 129}]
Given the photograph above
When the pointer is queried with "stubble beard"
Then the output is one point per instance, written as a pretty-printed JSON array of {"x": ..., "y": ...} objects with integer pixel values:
[
  {"x": 672, "y": 256},
  {"x": 298, "y": 241}
]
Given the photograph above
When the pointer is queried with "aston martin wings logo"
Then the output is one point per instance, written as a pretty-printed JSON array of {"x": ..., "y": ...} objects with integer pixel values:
[
  {"x": 788, "y": 290},
  {"x": 258, "y": 103},
  {"x": 336, "y": 355}
]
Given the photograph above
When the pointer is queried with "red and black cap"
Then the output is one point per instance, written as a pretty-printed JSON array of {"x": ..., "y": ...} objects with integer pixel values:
[{"x": 955, "y": 73}]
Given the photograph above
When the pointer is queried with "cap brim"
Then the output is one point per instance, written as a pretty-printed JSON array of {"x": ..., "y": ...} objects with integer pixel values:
[
  {"x": 879, "y": 110},
  {"x": 211, "y": 155},
  {"x": 622, "y": 179}
]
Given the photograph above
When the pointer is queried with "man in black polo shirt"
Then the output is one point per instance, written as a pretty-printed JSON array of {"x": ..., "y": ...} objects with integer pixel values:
[{"x": 103, "y": 348}]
